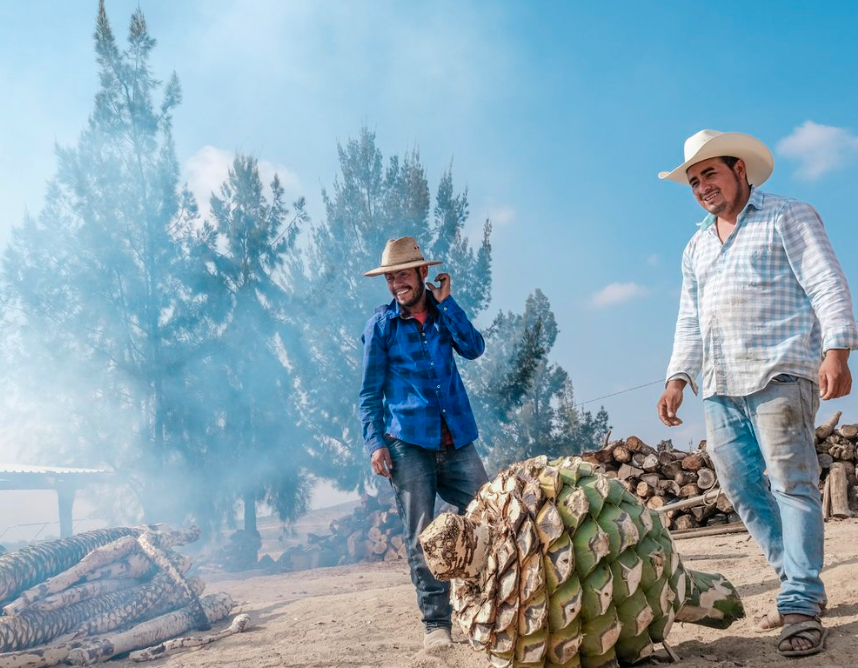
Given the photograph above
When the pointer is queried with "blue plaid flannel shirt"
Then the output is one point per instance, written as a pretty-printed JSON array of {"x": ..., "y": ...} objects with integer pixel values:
[
  {"x": 410, "y": 380},
  {"x": 768, "y": 301}
]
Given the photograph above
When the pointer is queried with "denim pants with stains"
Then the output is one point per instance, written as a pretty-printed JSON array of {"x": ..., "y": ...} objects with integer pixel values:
[
  {"x": 772, "y": 431},
  {"x": 418, "y": 475}
]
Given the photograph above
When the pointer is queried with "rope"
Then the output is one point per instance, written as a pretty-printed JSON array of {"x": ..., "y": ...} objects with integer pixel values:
[{"x": 631, "y": 389}]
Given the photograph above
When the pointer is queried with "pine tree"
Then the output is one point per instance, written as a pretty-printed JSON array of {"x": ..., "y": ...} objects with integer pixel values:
[
  {"x": 94, "y": 287},
  {"x": 262, "y": 446},
  {"x": 526, "y": 403}
]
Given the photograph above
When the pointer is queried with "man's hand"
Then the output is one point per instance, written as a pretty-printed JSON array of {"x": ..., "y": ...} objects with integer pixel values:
[
  {"x": 442, "y": 290},
  {"x": 835, "y": 380},
  {"x": 382, "y": 464},
  {"x": 670, "y": 401}
]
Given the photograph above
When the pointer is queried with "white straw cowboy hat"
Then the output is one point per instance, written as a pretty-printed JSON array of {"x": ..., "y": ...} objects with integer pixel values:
[
  {"x": 402, "y": 253},
  {"x": 713, "y": 144}
]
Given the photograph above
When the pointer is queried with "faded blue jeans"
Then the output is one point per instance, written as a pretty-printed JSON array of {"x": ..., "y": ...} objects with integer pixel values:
[
  {"x": 773, "y": 431},
  {"x": 418, "y": 475}
]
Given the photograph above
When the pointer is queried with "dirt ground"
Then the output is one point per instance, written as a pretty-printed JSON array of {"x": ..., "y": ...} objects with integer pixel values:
[{"x": 366, "y": 615}]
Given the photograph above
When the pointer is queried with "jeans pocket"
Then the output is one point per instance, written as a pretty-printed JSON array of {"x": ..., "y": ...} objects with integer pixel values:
[{"x": 786, "y": 379}]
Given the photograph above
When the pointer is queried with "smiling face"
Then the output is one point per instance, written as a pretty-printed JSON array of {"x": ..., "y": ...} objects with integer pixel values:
[
  {"x": 407, "y": 286},
  {"x": 718, "y": 188}
]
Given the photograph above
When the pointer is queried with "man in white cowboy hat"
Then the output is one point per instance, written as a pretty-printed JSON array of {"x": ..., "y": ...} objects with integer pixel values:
[
  {"x": 417, "y": 422},
  {"x": 766, "y": 314}
]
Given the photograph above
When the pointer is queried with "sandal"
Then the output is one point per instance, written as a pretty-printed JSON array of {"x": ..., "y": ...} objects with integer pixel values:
[{"x": 804, "y": 630}]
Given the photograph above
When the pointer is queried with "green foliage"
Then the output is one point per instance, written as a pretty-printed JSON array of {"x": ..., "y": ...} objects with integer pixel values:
[
  {"x": 95, "y": 285},
  {"x": 525, "y": 404},
  {"x": 256, "y": 438}
]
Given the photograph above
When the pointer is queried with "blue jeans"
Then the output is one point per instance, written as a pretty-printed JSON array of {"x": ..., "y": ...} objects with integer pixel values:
[
  {"x": 773, "y": 431},
  {"x": 418, "y": 475}
]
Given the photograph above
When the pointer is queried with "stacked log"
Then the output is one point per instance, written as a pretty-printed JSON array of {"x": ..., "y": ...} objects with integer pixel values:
[
  {"x": 373, "y": 532},
  {"x": 69, "y": 598},
  {"x": 836, "y": 452},
  {"x": 662, "y": 476}
]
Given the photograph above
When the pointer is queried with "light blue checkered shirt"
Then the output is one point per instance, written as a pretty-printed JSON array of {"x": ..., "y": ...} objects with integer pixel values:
[{"x": 768, "y": 301}]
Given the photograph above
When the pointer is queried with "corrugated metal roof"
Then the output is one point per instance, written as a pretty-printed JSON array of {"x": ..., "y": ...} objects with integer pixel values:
[{"x": 6, "y": 467}]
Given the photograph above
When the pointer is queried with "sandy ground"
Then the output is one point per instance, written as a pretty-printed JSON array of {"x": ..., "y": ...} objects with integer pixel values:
[{"x": 366, "y": 615}]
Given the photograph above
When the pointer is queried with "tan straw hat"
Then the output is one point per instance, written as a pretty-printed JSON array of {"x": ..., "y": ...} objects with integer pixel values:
[
  {"x": 713, "y": 144},
  {"x": 402, "y": 253}
]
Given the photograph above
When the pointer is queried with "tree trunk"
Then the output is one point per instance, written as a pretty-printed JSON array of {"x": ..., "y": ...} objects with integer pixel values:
[{"x": 250, "y": 511}]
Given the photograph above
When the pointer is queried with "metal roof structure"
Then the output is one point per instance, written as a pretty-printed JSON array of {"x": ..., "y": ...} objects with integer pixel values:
[
  {"x": 49, "y": 470},
  {"x": 64, "y": 480}
]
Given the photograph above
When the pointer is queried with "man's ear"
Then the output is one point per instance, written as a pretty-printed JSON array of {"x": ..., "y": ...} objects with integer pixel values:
[
  {"x": 741, "y": 170},
  {"x": 424, "y": 272}
]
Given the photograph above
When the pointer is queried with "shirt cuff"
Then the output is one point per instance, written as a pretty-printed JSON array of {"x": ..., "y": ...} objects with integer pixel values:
[
  {"x": 375, "y": 444},
  {"x": 844, "y": 338},
  {"x": 683, "y": 376},
  {"x": 450, "y": 308}
]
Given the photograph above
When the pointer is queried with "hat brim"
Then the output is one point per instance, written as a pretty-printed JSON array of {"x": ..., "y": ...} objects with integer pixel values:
[
  {"x": 759, "y": 161},
  {"x": 378, "y": 271}
]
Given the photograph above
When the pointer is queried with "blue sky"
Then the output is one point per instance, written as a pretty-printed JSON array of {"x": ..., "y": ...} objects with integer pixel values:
[{"x": 557, "y": 116}]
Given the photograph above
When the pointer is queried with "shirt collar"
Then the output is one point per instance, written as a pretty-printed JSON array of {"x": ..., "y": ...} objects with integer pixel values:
[{"x": 755, "y": 201}]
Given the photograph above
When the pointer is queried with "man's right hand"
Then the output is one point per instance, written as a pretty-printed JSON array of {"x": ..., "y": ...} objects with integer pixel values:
[
  {"x": 671, "y": 400},
  {"x": 382, "y": 464}
]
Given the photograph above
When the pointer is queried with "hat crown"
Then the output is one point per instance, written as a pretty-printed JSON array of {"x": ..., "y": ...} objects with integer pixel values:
[
  {"x": 698, "y": 140},
  {"x": 401, "y": 251}
]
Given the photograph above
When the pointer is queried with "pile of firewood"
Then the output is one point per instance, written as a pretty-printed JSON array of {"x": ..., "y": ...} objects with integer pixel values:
[
  {"x": 84, "y": 599},
  {"x": 836, "y": 449},
  {"x": 663, "y": 476},
  {"x": 373, "y": 532}
]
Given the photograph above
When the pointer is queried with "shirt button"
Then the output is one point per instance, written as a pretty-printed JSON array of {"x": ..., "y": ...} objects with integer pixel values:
[
  {"x": 438, "y": 386},
  {"x": 443, "y": 410},
  {"x": 431, "y": 363},
  {"x": 445, "y": 308}
]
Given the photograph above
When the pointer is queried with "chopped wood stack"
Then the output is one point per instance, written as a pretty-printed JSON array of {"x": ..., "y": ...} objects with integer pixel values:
[
  {"x": 373, "y": 532},
  {"x": 86, "y": 598},
  {"x": 661, "y": 476},
  {"x": 836, "y": 449}
]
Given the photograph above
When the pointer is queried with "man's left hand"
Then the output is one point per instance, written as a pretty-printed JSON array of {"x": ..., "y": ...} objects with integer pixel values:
[
  {"x": 835, "y": 380},
  {"x": 442, "y": 290}
]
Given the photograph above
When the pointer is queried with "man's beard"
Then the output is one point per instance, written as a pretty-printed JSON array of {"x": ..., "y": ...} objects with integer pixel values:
[{"x": 419, "y": 291}]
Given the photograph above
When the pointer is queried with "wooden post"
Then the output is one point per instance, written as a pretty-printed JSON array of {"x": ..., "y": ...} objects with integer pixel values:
[
  {"x": 839, "y": 490},
  {"x": 65, "y": 501}
]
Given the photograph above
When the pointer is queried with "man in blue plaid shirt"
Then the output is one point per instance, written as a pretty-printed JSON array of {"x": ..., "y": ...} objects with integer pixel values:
[
  {"x": 417, "y": 422},
  {"x": 765, "y": 313}
]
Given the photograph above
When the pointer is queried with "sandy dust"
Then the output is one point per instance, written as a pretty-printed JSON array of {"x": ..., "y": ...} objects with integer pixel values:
[{"x": 366, "y": 615}]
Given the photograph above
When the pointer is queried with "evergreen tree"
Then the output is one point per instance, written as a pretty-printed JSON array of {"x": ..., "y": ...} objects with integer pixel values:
[
  {"x": 94, "y": 287},
  {"x": 526, "y": 404},
  {"x": 257, "y": 426}
]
